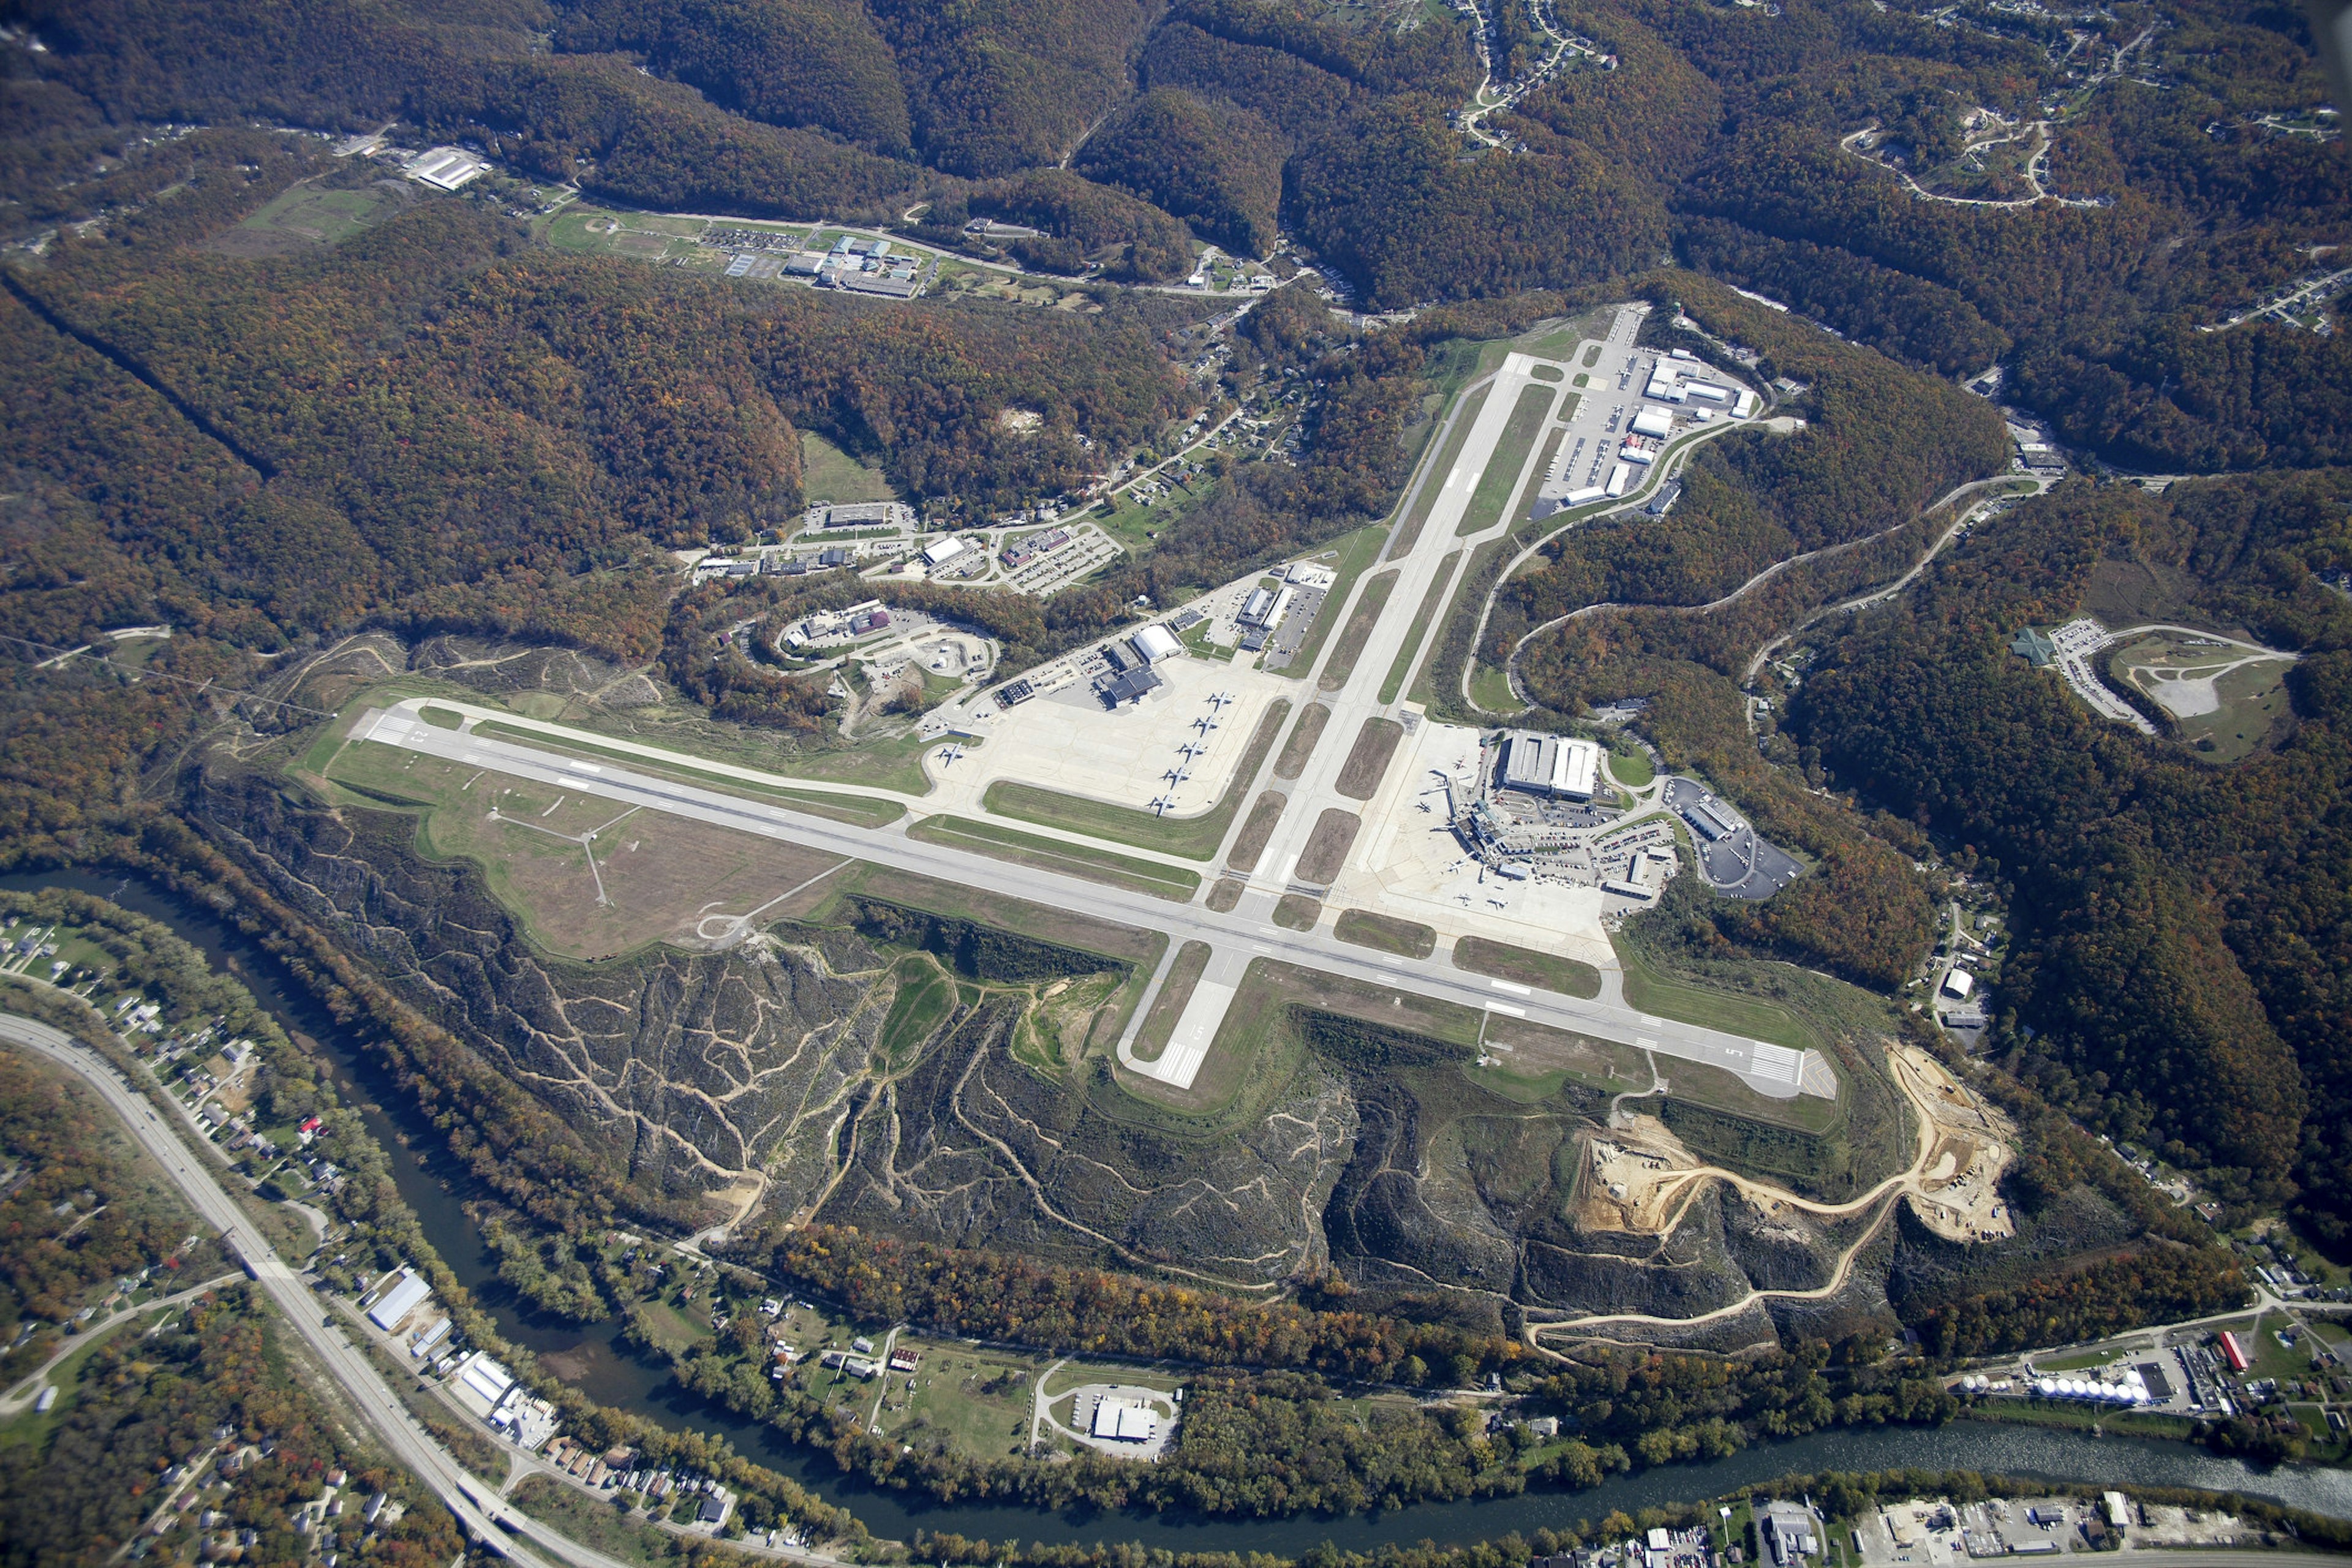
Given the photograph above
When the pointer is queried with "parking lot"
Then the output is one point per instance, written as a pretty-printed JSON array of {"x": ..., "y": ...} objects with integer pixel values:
[
  {"x": 1283, "y": 646},
  {"x": 1739, "y": 864}
]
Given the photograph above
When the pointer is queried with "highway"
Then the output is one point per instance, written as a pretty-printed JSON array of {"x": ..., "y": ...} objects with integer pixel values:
[
  {"x": 477, "y": 1504},
  {"x": 1771, "y": 1070}
]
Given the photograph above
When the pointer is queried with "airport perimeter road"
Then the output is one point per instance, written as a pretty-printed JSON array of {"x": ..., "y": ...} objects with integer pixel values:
[
  {"x": 475, "y": 1503},
  {"x": 1239, "y": 936}
]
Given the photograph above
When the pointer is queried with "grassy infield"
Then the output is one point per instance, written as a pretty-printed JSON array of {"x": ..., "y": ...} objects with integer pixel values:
[{"x": 1261, "y": 1012}]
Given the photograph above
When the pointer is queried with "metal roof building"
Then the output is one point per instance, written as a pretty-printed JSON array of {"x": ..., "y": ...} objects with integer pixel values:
[
  {"x": 1552, "y": 765},
  {"x": 1155, "y": 643},
  {"x": 399, "y": 1302}
]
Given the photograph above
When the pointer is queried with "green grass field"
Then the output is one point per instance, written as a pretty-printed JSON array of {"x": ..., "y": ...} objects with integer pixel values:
[
  {"x": 1056, "y": 855},
  {"x": 978, "y": 1399},
  {"x": 1434, "y": 484},
  {"x": 1629, "y": 765},
  {"x": 2247, "y": 696},
  {"x": 1134, "y": 525},
  {"x": 1191, "y": 959},
  {"x": 863, "y": 810},
  {"x": 1406, "y": 939},
  {"x": 1524, "y": 966},
  {"x": 829, "y": 475},
  {"x": 1193, "y": 837},
  {"x": 1443, "y": 620},
  {"x": 305, "y": 212},
  {"x": 1430, "y": 604},
  {"x": 1359, "y": 629},
  {"x": 1490, "y": 688},
  {"x": 1651, "y": 991},
  {"x": 1511, "y": 454},
  {"x": 652, "y": 871},
  {"x": 926, "y": 995}
]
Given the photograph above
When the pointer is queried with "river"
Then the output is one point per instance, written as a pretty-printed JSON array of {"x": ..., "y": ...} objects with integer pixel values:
[{"x": 587, "y": 1358}]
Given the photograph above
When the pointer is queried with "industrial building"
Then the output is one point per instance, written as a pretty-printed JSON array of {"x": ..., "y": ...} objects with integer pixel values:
[
  {"x": 860, "y": 514},
  {"x": 1264, "y": 607},
  {"x": 409, "y": 1292},
  {"x": 445, "y": 168},
  {"x": 1711, "y": 821},
  {"x": 1129, "y": 676},
  {"x": 941, "y": 550},
  {"x": 1788, "y": 1532},
  {"x": 1680, "y": 378},
  {"x": 1560, "y": 766},
  {"x": 1126, "y": 1420},
  {"x": 1959, "y": 983}
]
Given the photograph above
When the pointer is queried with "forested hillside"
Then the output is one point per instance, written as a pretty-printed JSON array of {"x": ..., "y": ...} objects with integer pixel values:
[
  {"x": 1219, "y": 166},
  {"x": 787, "y": 62},
  {"x": 320, "y": 436},
  {"x": 2180, "y": 969}
]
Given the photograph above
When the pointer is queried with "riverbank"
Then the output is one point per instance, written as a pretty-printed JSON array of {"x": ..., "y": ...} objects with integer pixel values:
[{"x": 601, "y": 1370}]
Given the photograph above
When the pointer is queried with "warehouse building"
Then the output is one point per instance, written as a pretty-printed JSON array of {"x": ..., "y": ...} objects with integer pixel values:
[
  {"x": 860, "y": 514},
  {"x": 1266, "y": 606},
  {"x": 406, "y": 1296},
  {"x": 446, "y": 168},
  {"x": 1126, "y": 1420},
  {"x": 1128, "y": 676},
  {"x": 1711, "y": 821}
]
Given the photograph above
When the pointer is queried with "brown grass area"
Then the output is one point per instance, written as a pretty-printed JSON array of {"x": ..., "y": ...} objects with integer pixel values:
[
  {"x": 1376, "y": 744},
  {"x": 661, "y": 873},
  {"x": 1406, "y": 939},
  {"x": 1357, "y": 632},
  {"x": 1224, "y": 895},
  {"x": 1296, "y": 911},
  {"x": 1251, "y": 843},
  {"x": 1017, "y": 915},
  {"x": 1327, "y": 847},
  {"x": 1301, "y": 744},
  {"x": 1268, "y": 985},
  {"x": 1191, "y": 959},
  {"x": 1539, "y": 1047}
]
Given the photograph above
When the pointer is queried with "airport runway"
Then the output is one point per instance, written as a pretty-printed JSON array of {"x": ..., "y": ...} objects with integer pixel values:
[{"x": 1237, "y": 937}]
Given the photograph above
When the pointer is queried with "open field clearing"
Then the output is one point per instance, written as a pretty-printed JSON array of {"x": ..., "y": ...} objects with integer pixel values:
[
  {"x": 829, "y": 475},
  {"x": 642, "y": 877},
  {"x": 2226, "y": 698}
]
